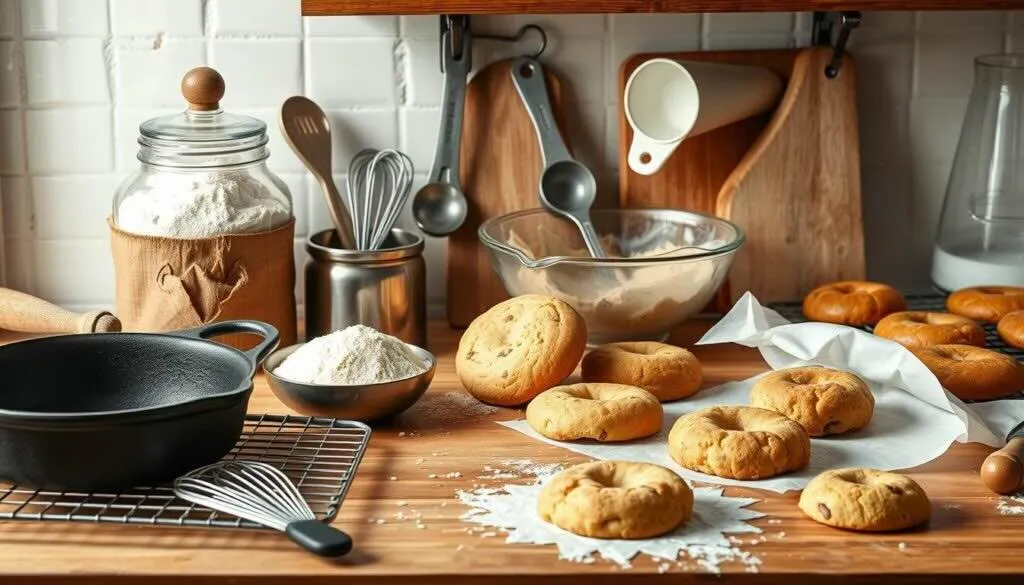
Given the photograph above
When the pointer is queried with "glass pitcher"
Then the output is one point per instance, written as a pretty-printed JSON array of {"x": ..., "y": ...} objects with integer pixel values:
[{"x": 980, "y": 239}]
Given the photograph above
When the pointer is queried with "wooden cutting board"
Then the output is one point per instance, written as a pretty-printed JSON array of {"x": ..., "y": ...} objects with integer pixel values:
[
  {"x": 500, "y": 170},
  {"x": 790, "y": 178},
  {"x": 797, "y": 191}
]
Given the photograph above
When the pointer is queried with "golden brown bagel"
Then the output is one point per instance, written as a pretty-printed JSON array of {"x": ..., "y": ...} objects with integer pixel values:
[
  {"x": 739, "y": 442},
  {"x": 1011, "y": 329},
  {"x": 924, "y": 328},
  {"x": 603, "y": 412},
  {"x": 865, "y": 499},
  {"x": 667, "y": 371},
  {"x": 852, "y": 302},
  {"x": 616, "y": 499},
  {"x": 824, "y": 401},
  {"x": 972, "y": 373},
  {"x": 986, "y": 303}
]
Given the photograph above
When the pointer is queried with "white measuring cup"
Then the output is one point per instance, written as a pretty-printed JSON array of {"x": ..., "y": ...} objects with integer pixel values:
[{"x": 667, "y": 101}]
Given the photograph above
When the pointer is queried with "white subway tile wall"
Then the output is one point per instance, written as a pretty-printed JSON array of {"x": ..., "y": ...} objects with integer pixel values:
[{"x": 78, "y": 76}]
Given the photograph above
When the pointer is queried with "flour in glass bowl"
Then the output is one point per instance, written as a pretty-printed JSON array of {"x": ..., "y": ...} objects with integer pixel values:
[
  {"x": 201, "y": 205},
  {"x": 355, "y": 355}
]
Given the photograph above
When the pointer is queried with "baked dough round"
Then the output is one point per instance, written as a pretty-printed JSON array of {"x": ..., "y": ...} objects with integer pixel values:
[
  {"x": 986, "y": 303},
  {"x": 667, "y": 371},
  {"x": 853, "y": 302},
  {"x": 865, "y": 499},
  {"x": 519, "y": 348},
  {"x": 923, "y": 328},
  {"x": 603, "y": 412},
  {"x": 616, "y": 499},
  {"x": 824, "y": 401},
  {"x": 739, "y": 442},
  {"x": 1011, "y": 329},
  {"x": 972, "y": 373}
]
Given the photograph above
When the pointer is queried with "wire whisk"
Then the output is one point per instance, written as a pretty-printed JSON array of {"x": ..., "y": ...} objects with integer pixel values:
[
  {"x": 261, "y": 493},
  {"x": 378, "y": 186}
]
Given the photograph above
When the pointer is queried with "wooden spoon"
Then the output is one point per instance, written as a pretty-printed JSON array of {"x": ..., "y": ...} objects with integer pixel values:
[
  {"x": 308, "y": 131},
  {"x": 28, "y": 314}
]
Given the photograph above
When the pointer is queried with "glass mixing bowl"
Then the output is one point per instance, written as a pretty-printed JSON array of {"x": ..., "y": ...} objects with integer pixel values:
[{"x": 664, "y": 266}]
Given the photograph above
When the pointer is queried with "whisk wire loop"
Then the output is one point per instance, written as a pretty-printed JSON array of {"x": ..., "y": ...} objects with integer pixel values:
[
  {"x": 377, "y": 189},
  {"x": 250, "y": 489}
]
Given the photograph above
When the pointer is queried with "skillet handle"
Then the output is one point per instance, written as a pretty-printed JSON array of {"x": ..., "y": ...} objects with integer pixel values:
[{"x": 265, "y": 330}]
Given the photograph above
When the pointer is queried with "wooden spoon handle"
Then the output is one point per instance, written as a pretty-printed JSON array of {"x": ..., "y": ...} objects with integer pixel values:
[
  {"x": 26, "y": 313},
  {"x": 1003, "y": 470}
]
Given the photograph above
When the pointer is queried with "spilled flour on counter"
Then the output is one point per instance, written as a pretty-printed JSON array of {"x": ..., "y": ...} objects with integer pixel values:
[
  {"x": 1012, "y": 505},
  {"x": 513, "y": 509},
  {"x": 444, "y": 408}
]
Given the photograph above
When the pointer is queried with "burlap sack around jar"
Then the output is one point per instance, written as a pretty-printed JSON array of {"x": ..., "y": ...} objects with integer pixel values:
[{"x": 165, "y": 284}]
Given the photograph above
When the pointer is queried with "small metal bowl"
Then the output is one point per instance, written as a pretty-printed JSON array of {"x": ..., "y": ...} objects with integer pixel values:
[{"x": 364, "y": 402}]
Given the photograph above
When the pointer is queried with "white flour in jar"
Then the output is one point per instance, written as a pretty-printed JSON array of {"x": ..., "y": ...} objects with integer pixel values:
[
  {"x": 354, "y": 355},
  {"x": 201, "y": 205}
]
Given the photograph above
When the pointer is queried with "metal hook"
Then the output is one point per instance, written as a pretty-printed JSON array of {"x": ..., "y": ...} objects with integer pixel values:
[
  {"x": 520, "y": 35},
  {"x": 455, "y": 30},
  {"x": 823, "y": 31}
]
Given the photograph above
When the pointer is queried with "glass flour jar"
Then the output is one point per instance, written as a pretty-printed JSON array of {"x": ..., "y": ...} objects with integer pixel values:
[
  {"x": 202, "y": 231},
  {"x": 202, "y": 172}
]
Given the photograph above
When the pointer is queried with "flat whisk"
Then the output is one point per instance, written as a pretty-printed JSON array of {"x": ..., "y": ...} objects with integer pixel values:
[{"x": 263, "y": 494}]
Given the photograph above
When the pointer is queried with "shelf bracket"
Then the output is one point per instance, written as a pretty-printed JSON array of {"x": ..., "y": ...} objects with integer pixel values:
[{"x": 821, "y": 35}]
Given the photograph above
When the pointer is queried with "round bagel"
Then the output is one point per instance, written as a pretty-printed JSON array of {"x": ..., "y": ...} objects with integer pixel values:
[
  {"x": 667, "y": 371},
  {"x": 852, "y": 302},
  {"x": 1011, "y": 329},
  {"x": 824, "y": 401},
  {"x": 865, "y": 499},
  {"x": 924, "y": 328},
  {"x": 972, "y": 373},
  {"x": 616, "y": 499},
  {"x": 603, "y": 412},
  {"x": 986, "y": 303},
  {"x": 739, "y": 442},
  {"x": 519, "y": 348}
]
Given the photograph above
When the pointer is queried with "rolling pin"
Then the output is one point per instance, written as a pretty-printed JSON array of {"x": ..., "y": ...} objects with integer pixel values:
[
  {"x": 1003, "y": 470},
  {"x": 28, "y": 314}
]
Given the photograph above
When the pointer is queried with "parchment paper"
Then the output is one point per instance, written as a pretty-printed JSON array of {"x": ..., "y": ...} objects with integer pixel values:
[{"x": 915, "y": 420}]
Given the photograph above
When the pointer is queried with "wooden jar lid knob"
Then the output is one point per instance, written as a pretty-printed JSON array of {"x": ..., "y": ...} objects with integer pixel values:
[{"x": 203, "y": 89}]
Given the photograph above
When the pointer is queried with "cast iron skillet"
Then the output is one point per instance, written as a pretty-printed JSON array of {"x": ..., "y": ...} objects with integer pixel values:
[{"x": 117, "y": 410}]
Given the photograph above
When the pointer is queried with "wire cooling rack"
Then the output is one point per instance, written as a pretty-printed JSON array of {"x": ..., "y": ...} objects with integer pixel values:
[
  {"x": 321, "y": 455},
  {"x": 920, "y": 300}
]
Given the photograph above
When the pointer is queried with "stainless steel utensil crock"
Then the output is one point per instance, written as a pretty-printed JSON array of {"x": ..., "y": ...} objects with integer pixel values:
[{"x": 385, "y": 289}]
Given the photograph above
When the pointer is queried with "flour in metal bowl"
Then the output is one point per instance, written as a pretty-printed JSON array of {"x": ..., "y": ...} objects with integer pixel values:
[{"x": 355, "y": 355}]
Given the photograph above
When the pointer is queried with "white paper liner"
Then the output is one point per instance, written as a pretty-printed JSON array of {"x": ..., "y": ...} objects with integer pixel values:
[
  {"x": 514, "y": 508},
  {"x": 915, "y": 420}
]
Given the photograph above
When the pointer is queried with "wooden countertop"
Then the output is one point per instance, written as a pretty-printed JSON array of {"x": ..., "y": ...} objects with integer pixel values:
[{"x": 966, "y": 537}]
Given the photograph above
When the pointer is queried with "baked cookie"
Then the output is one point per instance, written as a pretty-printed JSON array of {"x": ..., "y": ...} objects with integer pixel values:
[
  {"x": 924, "y": 328},
  {"x": 603, "y": 412},
  {"x": 667, "y": 371},
  {"x": 616, "y": 499},
  {"x": 519, "y": 348},
  {"x": 852, "y": 302},
  {"x": 986, "y": 303},
  {"x": 865, "y": 499},
  {"x": 824, "y": 401},
  {"x": 972, "y": 373},
  {"x": 739, "y": 442}
]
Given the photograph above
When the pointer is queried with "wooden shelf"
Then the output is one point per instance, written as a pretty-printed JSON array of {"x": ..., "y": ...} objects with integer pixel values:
[{"x": 337, "y": 7}]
